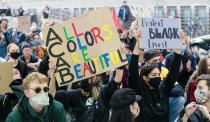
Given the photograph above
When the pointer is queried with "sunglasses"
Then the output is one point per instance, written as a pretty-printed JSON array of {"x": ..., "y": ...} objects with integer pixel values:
[{"x": 38, "y": 89}]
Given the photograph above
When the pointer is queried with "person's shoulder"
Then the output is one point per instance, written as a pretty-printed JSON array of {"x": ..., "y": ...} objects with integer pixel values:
[
  {"x": 170, "y": 55},
  {"x": 20, "y": 62},
  {"x": 14, "y": 116},
  {"x": 57, "y": 105},
  {"x": 34, "y": 57}
]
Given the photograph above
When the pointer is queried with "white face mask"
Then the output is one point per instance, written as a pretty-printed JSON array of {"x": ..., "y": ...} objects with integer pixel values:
[
  {"x": 200, "y": 97},
  {"x": 40, "y": 100}
]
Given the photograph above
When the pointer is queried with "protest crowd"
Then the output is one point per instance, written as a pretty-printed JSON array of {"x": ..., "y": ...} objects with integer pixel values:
[{"x": 145, "y": 85}]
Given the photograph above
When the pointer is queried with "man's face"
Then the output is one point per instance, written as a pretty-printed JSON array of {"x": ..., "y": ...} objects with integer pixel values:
[
  {"x": 202, "y": 86},
  {"x": 154, "y": 60},
  {"x": 34, "y": 89},
  {"x": 26, "y": 52}
]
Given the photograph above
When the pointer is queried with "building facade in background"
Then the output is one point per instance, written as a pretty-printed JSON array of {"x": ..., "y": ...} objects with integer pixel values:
[{"x": 194, "y": 14}]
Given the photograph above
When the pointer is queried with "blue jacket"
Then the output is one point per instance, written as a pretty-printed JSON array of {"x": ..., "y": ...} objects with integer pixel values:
[{"x": 3, "y": 47}]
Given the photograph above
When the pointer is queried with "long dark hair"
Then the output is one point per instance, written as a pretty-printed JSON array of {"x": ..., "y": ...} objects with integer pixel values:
[
  {"x": 145, "y": 70},
  {"x": 151, "y": 97},
  {"x": 202, "y": 69},
  {"x": 122, "y": 115}
]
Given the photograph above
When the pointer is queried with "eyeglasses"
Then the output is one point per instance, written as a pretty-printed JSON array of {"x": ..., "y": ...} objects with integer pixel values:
[{"x": 38, "y": 89}]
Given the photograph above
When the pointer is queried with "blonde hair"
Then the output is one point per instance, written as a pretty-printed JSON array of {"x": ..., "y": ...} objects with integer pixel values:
[
  {"x": 9, "y": 46},
  {"x": 34, "y": 76},
  {"x": 95, "y": 86}
]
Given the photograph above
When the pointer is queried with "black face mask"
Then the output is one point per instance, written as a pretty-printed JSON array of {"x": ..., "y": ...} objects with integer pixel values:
[
  {"x": 14, "y": 55},
  {"x": 155, "y": 82}
]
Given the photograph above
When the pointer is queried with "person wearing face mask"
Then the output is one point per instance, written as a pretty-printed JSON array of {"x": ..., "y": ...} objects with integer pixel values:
[
  {"x": 199, "y": 111},
  {"x": 37, "y": 105},
  {"x": 124, "y": 105},
  {"x": 90, "y": 103},
  {"x": 203, "y": 68},
  {"x": 13, "y": 53},
  {"x": 155, "y": 93},
  {"x": 188, "y": 65}
]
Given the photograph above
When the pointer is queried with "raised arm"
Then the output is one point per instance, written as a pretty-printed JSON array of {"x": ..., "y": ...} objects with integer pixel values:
[
  {"x": 173, "y": 74},
  {"x": 133, "y": 75},
  {"x": 52, "y": 78}
]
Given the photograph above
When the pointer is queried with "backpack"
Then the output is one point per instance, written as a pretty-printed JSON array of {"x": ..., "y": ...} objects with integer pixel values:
[{"x": 7, "y": 102}]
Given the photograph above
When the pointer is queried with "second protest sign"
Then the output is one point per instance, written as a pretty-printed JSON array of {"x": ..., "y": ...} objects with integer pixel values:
[{"x": 160, "y": 33}]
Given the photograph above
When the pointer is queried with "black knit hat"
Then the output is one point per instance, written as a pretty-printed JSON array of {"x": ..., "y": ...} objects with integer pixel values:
[
  {"x": 150, "y": 53},
  {"x": 123, "y": 98}
]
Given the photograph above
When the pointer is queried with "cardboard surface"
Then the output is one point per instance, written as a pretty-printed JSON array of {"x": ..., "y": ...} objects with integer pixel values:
[
  {"x": 24, "y": 23},
  {"x": 84, "y": 46},
  {"x": 6, "y": 76}
]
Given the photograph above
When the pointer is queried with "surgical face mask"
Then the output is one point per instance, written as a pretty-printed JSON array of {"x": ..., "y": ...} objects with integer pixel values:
[
  {"x": 183, "y": 48},
  {"x": 40, "y": 100},
  {"x": 155, "y": 82},
  {"x": 15, "y": 55},
  {"x": 200, "y": 97}
]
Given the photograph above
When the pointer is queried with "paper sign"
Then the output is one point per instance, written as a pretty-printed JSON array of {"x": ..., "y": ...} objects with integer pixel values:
[
  {"x": 6, "y": 76},
  {"x": 24, "y": 23},
  {"x": 59, "y": 14},
  {"x": 84, "y": 46},
  {"x": 160, "y": 33}
]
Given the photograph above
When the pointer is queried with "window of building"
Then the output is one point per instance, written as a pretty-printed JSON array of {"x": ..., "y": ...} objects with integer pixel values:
[
  {"x": 83, "y": 11},
  {"x": 171, "y": 11},
  {"x": 159, "y": 13},
  {"x": 76, "y": 12}
]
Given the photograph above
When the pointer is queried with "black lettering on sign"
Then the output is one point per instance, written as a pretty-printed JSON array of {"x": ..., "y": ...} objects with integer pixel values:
[
  {"x": 151, "y": 33},
  {"x": 93, "y": 68},
  {"x": 91, "y": 37},
  {"x": 64, "y": 73},
  {"x": 50, "y": 50},
  {"x": 54, "y": 38},
  {"x": 176, "y": 36},
  {"x": 167, "y": 33},
  {"x": 157, "y": 45},
  {"x": 61, "y": 62},
  {"x": 74, "y": 46}
]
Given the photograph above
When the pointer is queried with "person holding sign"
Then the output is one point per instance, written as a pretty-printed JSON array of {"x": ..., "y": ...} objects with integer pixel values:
[
  {"x": 90, "y": 103},
  {"x": 154, "y": 105}
]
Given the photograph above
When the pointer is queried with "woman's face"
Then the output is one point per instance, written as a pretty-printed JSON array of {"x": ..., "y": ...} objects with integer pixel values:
[{"x": 153, "y": 74}]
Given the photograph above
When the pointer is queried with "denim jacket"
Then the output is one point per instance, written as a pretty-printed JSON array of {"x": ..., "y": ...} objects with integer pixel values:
[{"x": 3, "y": 47}]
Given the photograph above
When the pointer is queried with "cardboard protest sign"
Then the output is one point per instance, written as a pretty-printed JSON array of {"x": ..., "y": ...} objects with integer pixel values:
[
  {"x": 6, "y": 76},
  {"x": 84, "y": 46},
  {"x": 24, "y": 23},
  {"x": 160, "y": 33},
  {"x": 59, "y": 14}
]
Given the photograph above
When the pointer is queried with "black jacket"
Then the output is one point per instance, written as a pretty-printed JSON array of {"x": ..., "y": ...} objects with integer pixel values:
[
  {"x": 151, "y": 110},
  {"x": 83, "y": 109},
  {"x": 184, "y": 75}
]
